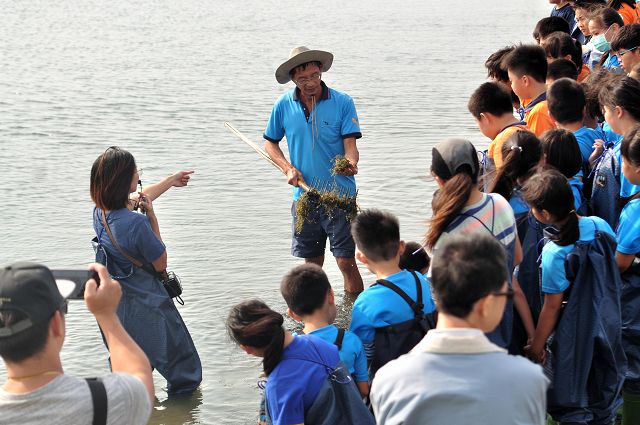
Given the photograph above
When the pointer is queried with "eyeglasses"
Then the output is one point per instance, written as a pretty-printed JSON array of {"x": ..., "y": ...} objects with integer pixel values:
[
  {"x": 304, "y": 80},
  {"x": 621, "y": 53},
  {"x": 508, "y": 293},
  {"x": 140, "y": 171}
]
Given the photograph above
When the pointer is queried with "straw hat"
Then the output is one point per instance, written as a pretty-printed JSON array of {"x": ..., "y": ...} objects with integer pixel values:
[{"x": 300, "y": 55}]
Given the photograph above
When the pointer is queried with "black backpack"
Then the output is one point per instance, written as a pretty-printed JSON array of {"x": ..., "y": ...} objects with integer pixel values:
[{"x": 395, "y": 340}]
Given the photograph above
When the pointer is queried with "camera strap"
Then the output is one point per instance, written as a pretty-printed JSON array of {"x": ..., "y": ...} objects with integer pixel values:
[
  {"x": 134, "y": 261},
  {"x": 99, "y": 399}
]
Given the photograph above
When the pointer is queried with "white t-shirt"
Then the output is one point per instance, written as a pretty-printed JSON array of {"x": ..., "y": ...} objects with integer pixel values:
[{"x": 66, "y": 400}]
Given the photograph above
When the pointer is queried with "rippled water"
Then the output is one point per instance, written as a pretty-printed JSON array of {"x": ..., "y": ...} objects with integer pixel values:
[{"x": 159, "y": 78}]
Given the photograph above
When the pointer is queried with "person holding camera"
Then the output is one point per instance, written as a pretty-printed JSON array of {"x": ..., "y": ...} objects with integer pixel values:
[
  {"x": 130, "y": 245},
  {"x": 32, "y": 331}
]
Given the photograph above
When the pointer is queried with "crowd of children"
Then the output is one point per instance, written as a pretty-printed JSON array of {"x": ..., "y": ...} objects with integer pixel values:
[{"x": 534, "y": 241}]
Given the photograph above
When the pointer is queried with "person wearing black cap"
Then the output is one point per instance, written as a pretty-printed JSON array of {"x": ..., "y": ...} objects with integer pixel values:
[
  {"x": 32, "y": 332},
  {"x": 320, "y": 124},
  {"x": 459, "y": 207}
]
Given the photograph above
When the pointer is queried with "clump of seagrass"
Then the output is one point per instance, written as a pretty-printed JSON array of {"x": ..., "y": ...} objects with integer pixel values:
[
  {"x": 340, "y": 165},
  {"x": 327, "y": 200}
]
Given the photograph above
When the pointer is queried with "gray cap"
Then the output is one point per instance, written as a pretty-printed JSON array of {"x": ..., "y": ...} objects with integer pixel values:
[{"x": 450, "y": 155}]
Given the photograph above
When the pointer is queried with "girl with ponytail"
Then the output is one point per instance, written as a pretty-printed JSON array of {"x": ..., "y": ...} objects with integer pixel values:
[
  {"x": 579, "y": 329},
  {"x": 551, "y": 200},
  {"x": 297, "y": 366},
  {"x": 460, "y": 207}
]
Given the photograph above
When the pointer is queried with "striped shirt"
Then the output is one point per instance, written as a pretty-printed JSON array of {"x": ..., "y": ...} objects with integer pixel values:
[{"x": 493, "y": 214}]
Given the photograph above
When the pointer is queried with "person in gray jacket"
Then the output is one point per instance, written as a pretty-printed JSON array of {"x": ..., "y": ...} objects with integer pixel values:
[{"x": 455, "y": 375}]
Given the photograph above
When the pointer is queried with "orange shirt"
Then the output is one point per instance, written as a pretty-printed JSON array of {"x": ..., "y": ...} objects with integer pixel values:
[
  {"x": 584, "y": 72},
  {"x": 538, "y": 119},
  {"x": 495, "y": 147},
  {"x": 629, "y": 14}
]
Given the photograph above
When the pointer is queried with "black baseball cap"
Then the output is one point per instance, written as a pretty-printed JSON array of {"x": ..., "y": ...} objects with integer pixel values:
[
  {"x": 453, "y": 156},
  {"x": 32, "y": 290}
]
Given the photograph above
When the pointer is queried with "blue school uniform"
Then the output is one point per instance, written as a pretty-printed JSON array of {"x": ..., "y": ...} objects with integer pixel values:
[
  {"x": 379, "y": 306},
  {"x": 145, "y": 310},
  {"x": 316, "y": 140},
  {"x": 586, "y": 137},
  {"x": 627, "y": 188},
  {"x": 566, "y": 12},
  {"x": 554, "y": 278},
  {"x": 628, "y": 238},
  {"x": 296, "y": 381},
  {"x": 351, "y": 352},
  {"x": 588, "y": 335},
  {"x": 611, "y": 62},
  {"x": 576, "y": 187}
]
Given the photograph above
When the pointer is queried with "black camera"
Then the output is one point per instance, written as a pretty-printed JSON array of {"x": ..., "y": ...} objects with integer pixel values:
[{"x": 79, "y": 278}]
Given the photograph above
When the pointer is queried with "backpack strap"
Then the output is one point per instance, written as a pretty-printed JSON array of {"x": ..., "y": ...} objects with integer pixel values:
[
  {"x": 339, "y": 338},
  {"x": 416, "y": 306},
  {"x": 99, "y": 399}
]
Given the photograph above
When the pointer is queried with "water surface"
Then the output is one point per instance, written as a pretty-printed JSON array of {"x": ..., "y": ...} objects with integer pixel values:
[{"x": 159, "y": 78}]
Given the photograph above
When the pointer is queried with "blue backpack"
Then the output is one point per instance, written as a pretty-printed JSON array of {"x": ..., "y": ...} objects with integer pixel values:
[
  {"x": 586, "y": 358},
  {"x": 605, "y": 190}
]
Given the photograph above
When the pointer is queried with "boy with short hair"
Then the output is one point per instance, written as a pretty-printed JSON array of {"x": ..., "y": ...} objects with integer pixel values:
[
  {"x": 527, "y": 69},
  {"x": 455, "y": 375},
  {"x": 567, "y": 104},
  {"x": 491, "y": 108},
  {"x": 626, "y": 45},
  {"x": 497, "y": 72},
  {"x": 561, "y": 68},
  {"x": 309, "y": 297},
  {"x": 546, "y": 26},
  {"x": 377, "y": 236}
]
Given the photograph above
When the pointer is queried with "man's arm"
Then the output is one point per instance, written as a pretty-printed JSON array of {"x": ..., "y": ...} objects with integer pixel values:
[
  {"x": 352, "y": 154},
  {"x": 126, "y": 356},
  {"x": 277, "y": 156}
]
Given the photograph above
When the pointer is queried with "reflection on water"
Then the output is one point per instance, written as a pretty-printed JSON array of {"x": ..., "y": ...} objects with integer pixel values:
[
  {"x": 159, "y": 78},
  {"x": 177, "y": 410}
]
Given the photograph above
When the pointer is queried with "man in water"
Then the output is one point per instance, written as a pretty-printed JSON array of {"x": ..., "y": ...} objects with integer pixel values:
[{"x": 320, "y": 124}]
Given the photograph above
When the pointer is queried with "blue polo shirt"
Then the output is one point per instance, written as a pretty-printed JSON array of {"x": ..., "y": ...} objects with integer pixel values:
[
  {"x": 628, "y": 232},
  {"x": 554, "y": 277},
  {"x": 627, "y": 188},
  {"x": 576, "y": 187},
  {"x": 586, "y": 137},
  {"x": 379, "y": 306},
  {"x": 315, "y": 138},
  {"x": 351, "y": 353},
  {"x": 611, "y": 62}
]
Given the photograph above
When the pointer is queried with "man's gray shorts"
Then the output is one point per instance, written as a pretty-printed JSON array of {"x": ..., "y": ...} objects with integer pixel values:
[{"x": 311, "y": 241}]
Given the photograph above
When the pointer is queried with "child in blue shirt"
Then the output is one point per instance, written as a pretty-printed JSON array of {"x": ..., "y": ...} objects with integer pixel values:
[
  {"x": 628, "y": 238},
  {"x": 297, "y": 366},
  {"x": 561, "y": 151},
  {"x": 567, "y": 102},
  {"x": 309, "y": 297},
  {"x": 598, "y": 335},
  {"x": 377, "y": 236}
]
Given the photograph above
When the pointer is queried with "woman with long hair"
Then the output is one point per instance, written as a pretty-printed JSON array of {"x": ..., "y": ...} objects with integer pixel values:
[{"x": 130, "y": 245}]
